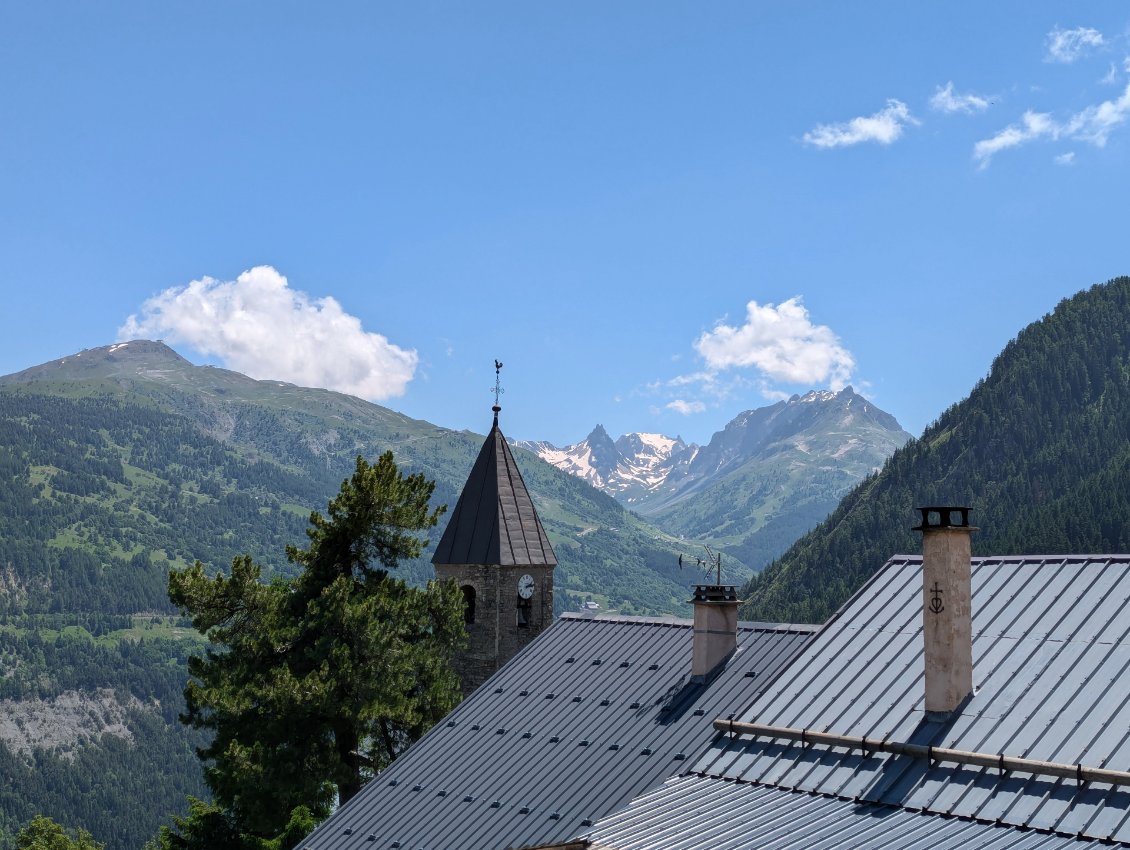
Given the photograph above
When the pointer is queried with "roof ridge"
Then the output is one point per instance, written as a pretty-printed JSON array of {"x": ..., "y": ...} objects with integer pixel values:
[
  {"x": 686, "y": 622},
  {"x": 1043, "y": 830}
]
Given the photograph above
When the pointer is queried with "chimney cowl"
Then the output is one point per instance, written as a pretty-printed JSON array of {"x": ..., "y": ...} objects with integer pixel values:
[
  {"x": 945, "y": 518},
  {"x": 715, "y": 593}
]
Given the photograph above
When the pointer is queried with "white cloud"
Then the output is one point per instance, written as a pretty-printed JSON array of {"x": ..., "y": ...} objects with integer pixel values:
[
  {"x": 782, "y": 342},
  {"x": 1093, "y": 124},
  {"x": 258, "y": 325},
  {"x": 1033, "y": 125},
  {"x": 1065, "y": 46},
  {"x": 948, "y": 101},
  {"x": 1065, "y": 158},
  {"x": 686, "y": 407},
  {"x": 692, "y": 378},
  {"x": 884, "y": 127},
  {"x": 1111, "y": 76}
]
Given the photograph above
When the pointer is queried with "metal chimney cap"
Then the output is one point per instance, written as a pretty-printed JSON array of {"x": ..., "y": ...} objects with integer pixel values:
[
  {"x": 945, "y": 518},
  {"x": 715, "y": 593}
]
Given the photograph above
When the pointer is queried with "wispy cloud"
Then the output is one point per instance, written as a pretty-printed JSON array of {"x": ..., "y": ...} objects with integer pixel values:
[
  {"x": 1065, "y": 46},
  {"x": 1093, "y": 124},
  {"x": 1065, "y": 158},
  {"x": 948, "y": 101},
  {"x": 686, "y": 407},
  {"x": 782, "y": 343},
  {"x": 258, "y": 325},
  {"x": 692, "y": 378},
  {"x": 884, "y": 127},
  {"x": 1033, "y": 125}
]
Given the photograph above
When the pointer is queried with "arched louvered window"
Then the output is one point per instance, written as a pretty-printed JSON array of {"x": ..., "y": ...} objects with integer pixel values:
[{"x": 468, "y": 604}]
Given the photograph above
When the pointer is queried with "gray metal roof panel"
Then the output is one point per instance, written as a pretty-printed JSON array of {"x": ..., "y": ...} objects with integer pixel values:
[
  {"x": 707, "y": 813},
  {"x": 564, "y": 782},
  {"x": 1051, "y": 650},
  {"x": 494, "y": 521}
]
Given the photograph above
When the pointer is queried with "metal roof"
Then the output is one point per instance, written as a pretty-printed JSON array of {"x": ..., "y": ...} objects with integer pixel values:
[
  {"x": 592, "y": 713},
  {"x": 707, "y": 813},
  {"x": 494, "y": 521},
  {"x": 1051, "y": 652}
]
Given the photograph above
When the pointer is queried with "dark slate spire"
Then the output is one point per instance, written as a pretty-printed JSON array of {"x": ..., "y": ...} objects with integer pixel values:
[{"x": 494, "y": 521}]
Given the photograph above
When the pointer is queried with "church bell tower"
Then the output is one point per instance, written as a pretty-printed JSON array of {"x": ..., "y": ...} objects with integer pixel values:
[{"x": 497, "y": 552}]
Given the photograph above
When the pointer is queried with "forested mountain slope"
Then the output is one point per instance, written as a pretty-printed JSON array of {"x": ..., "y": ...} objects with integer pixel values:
[
  {"x": 134, "y": 455},
  {"x": 1040, "y": 450},
  {"x": 123, "y": 461}
]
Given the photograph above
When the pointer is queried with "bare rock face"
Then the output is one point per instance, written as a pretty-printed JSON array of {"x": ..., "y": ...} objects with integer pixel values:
[{"x": 65, "y": 721}]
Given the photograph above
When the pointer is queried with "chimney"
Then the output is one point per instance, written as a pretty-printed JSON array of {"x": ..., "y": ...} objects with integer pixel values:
[
  {"x": 715, "y": 628},
  {"x": 947, "y": 626}
]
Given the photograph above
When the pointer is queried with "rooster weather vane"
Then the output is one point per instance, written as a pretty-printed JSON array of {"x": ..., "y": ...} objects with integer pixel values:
[
  {"x": 497, "y": 388},
  {"x": 712, "y": 561}
]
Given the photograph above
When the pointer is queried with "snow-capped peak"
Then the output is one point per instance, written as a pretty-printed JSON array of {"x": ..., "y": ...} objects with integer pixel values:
[{"x": 634, "y": 462}]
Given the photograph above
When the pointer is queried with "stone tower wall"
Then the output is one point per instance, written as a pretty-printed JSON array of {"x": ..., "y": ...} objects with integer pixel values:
[{"x": 495, "y": 637}]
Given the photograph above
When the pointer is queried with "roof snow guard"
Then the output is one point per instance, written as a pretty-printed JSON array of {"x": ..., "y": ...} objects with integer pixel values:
[{"x": 494, "y": 521}]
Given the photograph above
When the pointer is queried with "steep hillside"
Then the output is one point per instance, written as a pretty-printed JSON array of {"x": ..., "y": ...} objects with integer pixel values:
[
  {"x": 1040, "y": 450},
  {"x": 132, "y": 452},
  {"x": 121, "y": 462}
]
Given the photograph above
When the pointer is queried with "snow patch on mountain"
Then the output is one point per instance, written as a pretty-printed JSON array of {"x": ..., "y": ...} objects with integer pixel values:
[
  {"x": 653, "y": 472},
  {"x": 626, "y": 468}
]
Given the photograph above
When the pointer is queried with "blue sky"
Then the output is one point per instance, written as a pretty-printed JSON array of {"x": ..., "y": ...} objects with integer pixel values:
[{"x": 657, "y": 215}]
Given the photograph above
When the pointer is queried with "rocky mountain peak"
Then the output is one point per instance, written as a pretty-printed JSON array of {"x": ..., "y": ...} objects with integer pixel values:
[{"x": 652, "y": 472}]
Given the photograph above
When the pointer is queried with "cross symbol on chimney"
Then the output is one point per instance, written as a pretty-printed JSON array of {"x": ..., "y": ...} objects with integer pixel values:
[{"x": 936, "y": 606}]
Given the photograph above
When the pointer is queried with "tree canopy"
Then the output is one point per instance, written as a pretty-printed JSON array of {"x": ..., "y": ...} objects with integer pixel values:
[
  {"x": 44, "y": 834},
  {"x": 314, "y": 683}
]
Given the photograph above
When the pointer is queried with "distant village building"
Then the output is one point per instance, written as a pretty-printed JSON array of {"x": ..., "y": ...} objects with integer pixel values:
[{"x": 496, "y": 550}]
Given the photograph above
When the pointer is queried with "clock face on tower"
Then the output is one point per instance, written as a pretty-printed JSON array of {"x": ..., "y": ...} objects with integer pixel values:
[{"x": 526, "y": 586}]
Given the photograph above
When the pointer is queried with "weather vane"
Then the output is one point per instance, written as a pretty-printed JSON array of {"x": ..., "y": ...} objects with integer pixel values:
[
  {"x": 712, "y": 561},
  {"x": 497, "y": 388}
]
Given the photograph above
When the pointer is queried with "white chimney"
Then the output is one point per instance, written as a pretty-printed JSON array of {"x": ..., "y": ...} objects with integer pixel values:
[
  {"x": 947, "y": 624},
  {"x": 715, "y": 628}
]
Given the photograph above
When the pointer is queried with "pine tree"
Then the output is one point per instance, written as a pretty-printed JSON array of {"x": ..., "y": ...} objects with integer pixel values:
[{"x": 314, "y": 683}]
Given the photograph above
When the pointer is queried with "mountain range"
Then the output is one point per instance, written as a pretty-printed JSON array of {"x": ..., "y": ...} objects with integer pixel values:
[{"x": 766, "y": 478}]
